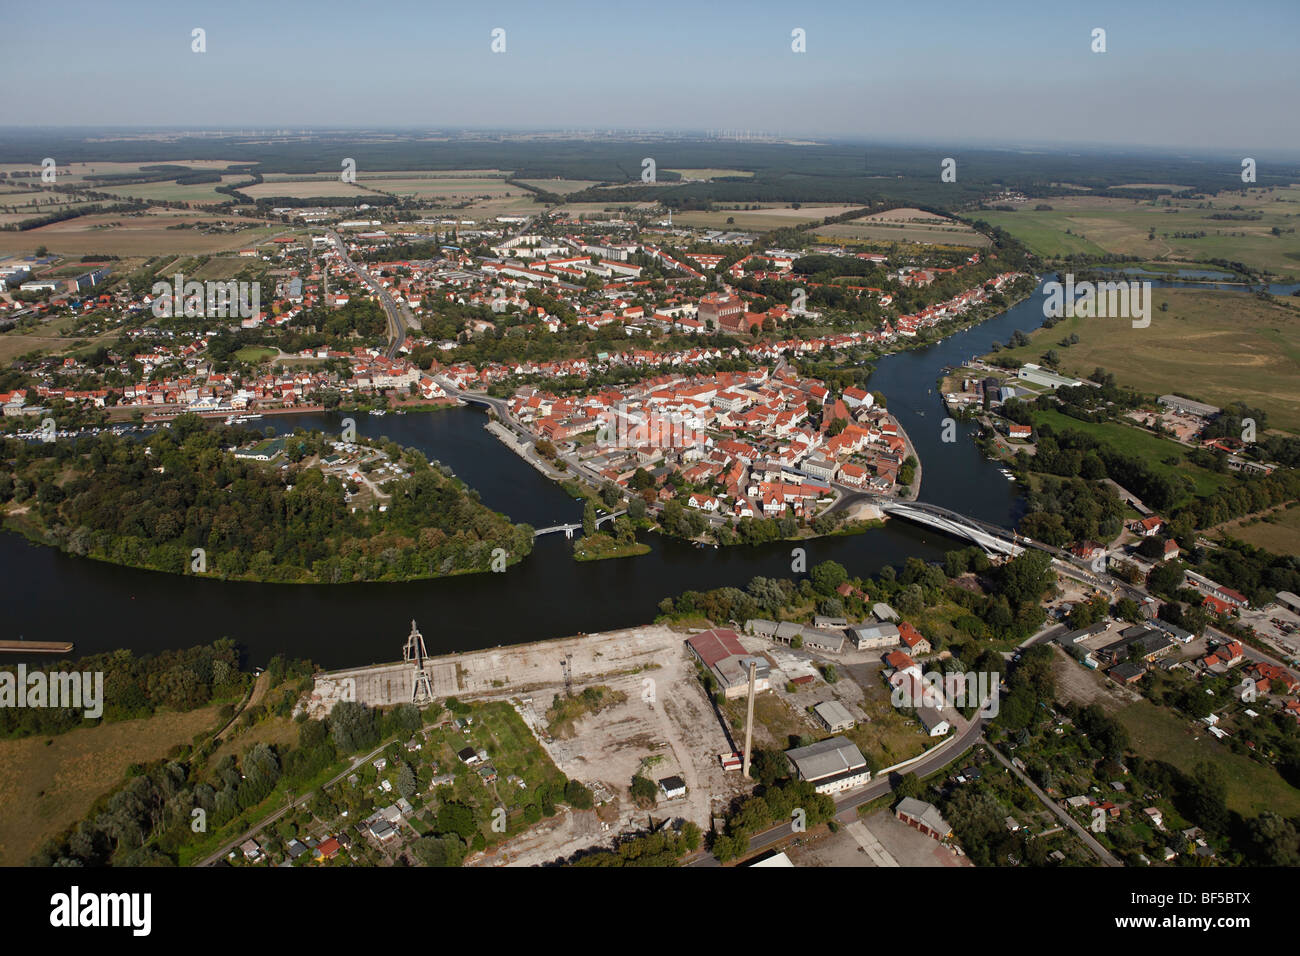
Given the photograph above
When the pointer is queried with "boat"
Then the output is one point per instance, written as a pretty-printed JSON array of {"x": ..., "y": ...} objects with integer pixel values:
[{"x": 377, "y": 412}]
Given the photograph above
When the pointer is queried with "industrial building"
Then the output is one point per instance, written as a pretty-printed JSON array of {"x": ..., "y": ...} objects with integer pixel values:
[
  {"x": 834, "y": 716},
  {"x": 830, "y": 640},
  {"x": 1189, "y": 407},
  {"x": 722, "y": 653},
  {"x": 872, "y": 636},
  {"x": 830, "y": 765},
  {"x": 1041, "y": 376}
]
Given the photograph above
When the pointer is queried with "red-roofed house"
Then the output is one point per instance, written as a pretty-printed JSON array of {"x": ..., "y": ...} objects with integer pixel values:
[{"x": 912, "y": 639}]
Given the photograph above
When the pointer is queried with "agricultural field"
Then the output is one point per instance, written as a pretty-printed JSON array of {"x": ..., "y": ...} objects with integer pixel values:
[
  {"x": 1216, "y": 346},
  {"x": 709, "y": 174},
  {"x": 393, "y": 174},
  {"x": 48, "y": 783},
  {"x": 1096, "y": 225},
  {"x": 316, "y": 188},
  {"x": 138, "y": 234},
  {"x": 22, "y": 204},
  {"x": 1279, "y": 532},
  {"x": 198, "y": 193},
  {"x": 75, "y": 174},
  {"x": 443, "y": 190},
  {"x": 773, "y": 216},
  {"x": 437, "y": 186},
  {"x": 928, "y": 231},
  {"x": 575, "y": 209},
  {"x": 561, "y": 187}
]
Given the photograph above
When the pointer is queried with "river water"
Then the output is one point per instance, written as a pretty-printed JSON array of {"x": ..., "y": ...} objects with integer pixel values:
[{"x": 48, "y": 595}]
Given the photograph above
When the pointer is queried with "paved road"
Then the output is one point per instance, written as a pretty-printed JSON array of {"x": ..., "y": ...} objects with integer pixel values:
[
  {"x": 1251, "y": 653},
  {"x": 398, "y": 318},
  {"x": 846, "y": 805}
]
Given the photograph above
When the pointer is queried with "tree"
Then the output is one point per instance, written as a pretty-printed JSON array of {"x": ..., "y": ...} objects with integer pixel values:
[
  {"x": 406, "y": 782},
  {"x": 1274, "y": 840},
  {"x": 578, "y": 796},
  {"x": 589, "y": 518},
  {"x": 827, "y": 576},
  {"x": 455, "y": 818},
  {"x": 438, "y": 851},
  {"x": 908, "y": 786},
  {"x": 644, "y": 791},
  {"x": 1126, "y": 609},
  {"x": 1166, "y": 578},
  {"x": 352, "y": 726}
]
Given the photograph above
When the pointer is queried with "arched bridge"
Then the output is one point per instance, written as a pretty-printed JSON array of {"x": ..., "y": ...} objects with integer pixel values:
[
  {"x": 990, "y": 537},
  {"x": 568, "y": 529}
]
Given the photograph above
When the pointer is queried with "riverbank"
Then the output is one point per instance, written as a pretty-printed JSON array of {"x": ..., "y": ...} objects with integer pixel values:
[{"x": 550, "y": 594}]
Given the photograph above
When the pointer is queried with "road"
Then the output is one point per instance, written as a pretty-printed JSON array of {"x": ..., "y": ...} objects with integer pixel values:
[
  {"x": 399, "y": 318},
  {"x": 295, "y": 803},
  {"x": 846, "y": 805},
  {"x": 1089, "y": 840}
]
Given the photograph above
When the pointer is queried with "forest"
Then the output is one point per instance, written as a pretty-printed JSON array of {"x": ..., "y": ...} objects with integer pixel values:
[{"x": 151, "y": 503}]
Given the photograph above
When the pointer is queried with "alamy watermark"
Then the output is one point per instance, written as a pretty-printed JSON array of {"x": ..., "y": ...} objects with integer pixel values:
[
  {"x": 621, "y": 427},
  {"x": 934, "y": 689},
  {"x": 74, "y": 690},
  {"x": 194, "y": 299},
  {"x": 1102, "y": 300},
  {"x": 75, "y": 909}
]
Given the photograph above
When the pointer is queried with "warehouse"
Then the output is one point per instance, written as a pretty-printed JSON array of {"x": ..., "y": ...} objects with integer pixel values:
[
  {"x": 1189, "y": 407},
  {"x": 834, "y": 716},
  {"x": 722, "y": 653},
  {"x": 830, "y": 765},
  {"x": 871, "y": 636}
]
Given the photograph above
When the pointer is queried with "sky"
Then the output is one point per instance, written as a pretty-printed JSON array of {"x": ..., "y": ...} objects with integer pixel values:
[{"x": 1185, "y": 75}]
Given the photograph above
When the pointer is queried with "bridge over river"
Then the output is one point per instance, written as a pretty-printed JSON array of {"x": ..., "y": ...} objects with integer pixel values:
[
  {"x": 568, "y": 529},
  {"x": 990, "y": 537}
]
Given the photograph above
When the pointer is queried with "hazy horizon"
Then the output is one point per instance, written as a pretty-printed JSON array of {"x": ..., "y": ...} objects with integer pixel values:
[{"x": 1186, "y": 77}]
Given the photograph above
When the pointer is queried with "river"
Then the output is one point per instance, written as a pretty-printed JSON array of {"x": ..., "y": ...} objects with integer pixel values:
[{"x": 48, "y": 595}]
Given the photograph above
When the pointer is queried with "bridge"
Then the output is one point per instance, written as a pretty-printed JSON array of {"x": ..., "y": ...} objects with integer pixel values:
[
  {"x": 568, "y": 529},
  {"x": 991, "y": 538}
]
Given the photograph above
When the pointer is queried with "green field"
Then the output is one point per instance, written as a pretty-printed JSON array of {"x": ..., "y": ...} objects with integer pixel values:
[
  {"x": 879, "y": 231},
  {"x": 1094, "y": 225},
  {"x": 48, "y": 783},
  {"x": 561, "y": 187},
  {"x": 1278, "y": 533},
  {"x": 175, "y": 192},
  {"x": 1218, "y": 347},
  {"x": 1161, "y": 735},
  {"x": 1162, "y": 455},
  {"x": 253, "y": 354},
  {"x": 772, "y": 216}
]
